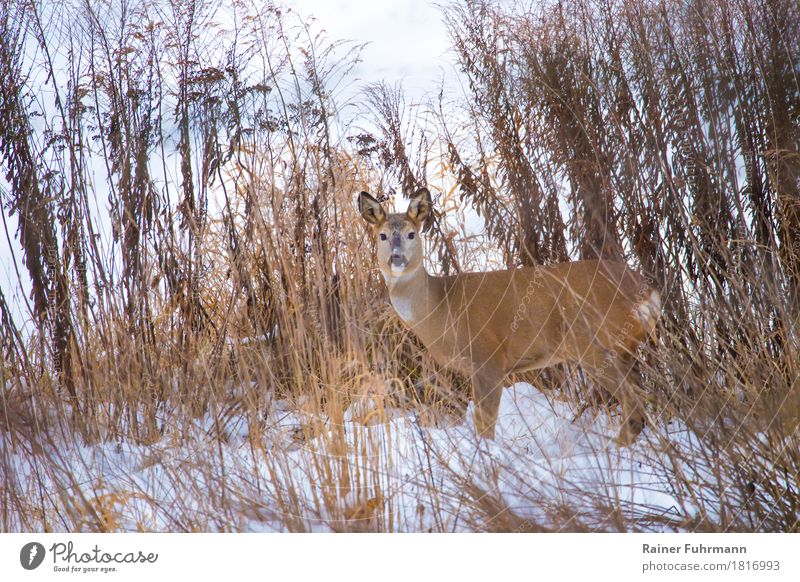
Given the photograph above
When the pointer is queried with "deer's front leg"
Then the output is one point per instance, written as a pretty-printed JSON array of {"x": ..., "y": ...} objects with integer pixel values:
[{"x": 486, "y": 391}]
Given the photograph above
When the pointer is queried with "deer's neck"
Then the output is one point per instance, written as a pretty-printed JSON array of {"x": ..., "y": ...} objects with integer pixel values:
[{"x": 413, "y": 295}]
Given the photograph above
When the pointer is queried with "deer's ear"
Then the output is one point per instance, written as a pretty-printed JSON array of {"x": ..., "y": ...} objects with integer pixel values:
[
  {"x": 420, "y": 206},
  {"x": 371, "y": 210}
]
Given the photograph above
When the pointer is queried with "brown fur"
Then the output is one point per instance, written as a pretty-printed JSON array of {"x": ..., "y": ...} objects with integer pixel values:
[{"x": 488, "y": 325}]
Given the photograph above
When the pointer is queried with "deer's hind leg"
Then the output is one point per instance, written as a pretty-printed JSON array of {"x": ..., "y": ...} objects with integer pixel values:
[{"x": 613, "y": 371}]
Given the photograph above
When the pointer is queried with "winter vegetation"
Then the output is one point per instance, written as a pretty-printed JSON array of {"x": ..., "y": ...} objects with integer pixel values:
[{"x": 194, "y": 335}]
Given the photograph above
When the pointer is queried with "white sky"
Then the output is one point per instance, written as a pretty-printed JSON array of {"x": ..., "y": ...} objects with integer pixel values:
[{"x": 407, "y": 39}]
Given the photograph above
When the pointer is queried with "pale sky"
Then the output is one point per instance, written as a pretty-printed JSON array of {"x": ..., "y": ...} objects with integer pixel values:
[{"x": 407, "y": 39}]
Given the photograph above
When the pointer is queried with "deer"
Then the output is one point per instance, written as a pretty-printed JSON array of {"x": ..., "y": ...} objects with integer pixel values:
[{"x": 487, "y": 325}]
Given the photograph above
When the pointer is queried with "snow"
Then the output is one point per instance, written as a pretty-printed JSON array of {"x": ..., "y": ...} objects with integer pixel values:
[{"x": 381, "y": 466}]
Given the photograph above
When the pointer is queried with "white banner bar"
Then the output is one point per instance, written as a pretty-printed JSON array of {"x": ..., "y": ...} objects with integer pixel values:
[{"x": 332, "y": 557}]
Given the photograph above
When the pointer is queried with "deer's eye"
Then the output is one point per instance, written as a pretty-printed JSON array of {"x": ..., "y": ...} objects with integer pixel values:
[
  {"x": 383, "y": 236},
  {"x": 410, "y": 235}
]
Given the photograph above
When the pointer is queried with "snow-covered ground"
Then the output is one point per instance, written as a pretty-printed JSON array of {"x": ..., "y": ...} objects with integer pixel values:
[{"x": 381, "y": 469}]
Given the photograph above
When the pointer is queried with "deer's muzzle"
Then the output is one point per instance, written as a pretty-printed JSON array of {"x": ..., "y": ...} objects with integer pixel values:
[{"x": 398, "y": 260}]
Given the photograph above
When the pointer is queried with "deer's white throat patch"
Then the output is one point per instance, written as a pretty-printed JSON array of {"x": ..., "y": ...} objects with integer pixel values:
[
  {"x": 402, "y": 305},
  {"x": 403, "y": 308}
]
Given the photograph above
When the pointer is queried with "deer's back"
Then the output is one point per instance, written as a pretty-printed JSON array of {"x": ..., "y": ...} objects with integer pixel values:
[{"x": 537, "y": 316}]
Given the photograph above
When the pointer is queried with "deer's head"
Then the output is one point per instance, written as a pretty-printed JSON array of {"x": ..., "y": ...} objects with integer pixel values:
[{"x": 399, "y": 244}]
